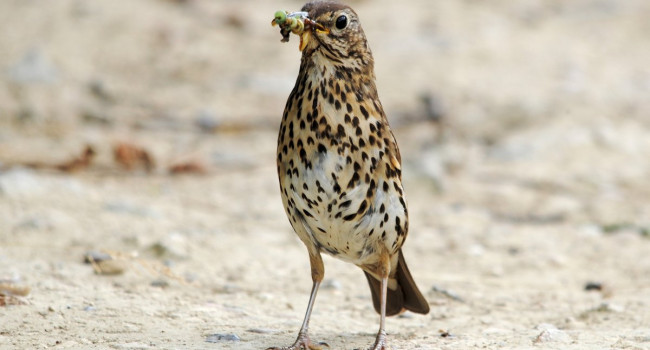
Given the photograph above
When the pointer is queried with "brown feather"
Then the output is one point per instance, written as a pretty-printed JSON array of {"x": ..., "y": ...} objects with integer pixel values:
[{"x": 406, "y": 296}]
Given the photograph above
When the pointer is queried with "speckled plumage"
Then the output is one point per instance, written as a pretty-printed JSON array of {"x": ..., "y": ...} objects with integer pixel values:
[{"x": 339, "y": 165}]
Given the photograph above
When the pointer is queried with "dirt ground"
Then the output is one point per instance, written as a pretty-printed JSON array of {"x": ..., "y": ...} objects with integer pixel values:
[{"x": 524, "y": 127}]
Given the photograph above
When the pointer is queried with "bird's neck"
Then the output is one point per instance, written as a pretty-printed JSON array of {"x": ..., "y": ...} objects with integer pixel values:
[{"x": 356, "y": 73}]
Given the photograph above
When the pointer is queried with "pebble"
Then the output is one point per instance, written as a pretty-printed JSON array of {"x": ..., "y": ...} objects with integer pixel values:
[
  {"x": 262, "y": 330},
  {"x": 14, "y": 289},
  {"x": 431, "y": 165},
  {"x": 112, "y": 267},
  {"x": 33, "y": 67},
  {"x": 96, "y": 116},
  {"x": 230, "y": 288},
  {"x": 475, "y": 250},
  {"x": 550, "y": 333},
  {"x": 331, "y": 284},
  {"x": 34, "y": 223},
  {"x": 174, "y": 245},
  {"x": 207, "y": 121},
  {"x": 591, "y": 230},
  {"x": 160, "y": 283},
  {"x": 12, "y": 277},
  {"x": 26, "y": 183},
  {"x": 219, "y": 337},
  {"x": 98, "y": 89},
  {"x": 95, "y": 256},
  {"x": 447, "y": 293},
  {"x": 434, "y": 109},
  {"x": 133, "y": 345},
  {"x": 21, "y": 183},
  {"x": 128, "y": 208},
  {"x": 593, "y": 286},
  {"x": 233, "y": 160},
  {"x": 608, "y": 307}
]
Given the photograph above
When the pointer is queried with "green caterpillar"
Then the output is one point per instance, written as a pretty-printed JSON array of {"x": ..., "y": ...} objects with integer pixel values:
[{"x": 289, "y": 23}]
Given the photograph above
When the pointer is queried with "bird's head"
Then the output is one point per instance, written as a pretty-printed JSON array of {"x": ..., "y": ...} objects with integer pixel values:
[{"x": 334, "y": 29}]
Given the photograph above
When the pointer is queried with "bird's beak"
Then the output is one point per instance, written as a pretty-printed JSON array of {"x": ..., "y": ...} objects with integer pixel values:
[
  {"x": 310, "y": 26},
  {"x": 304, "y": 39}
]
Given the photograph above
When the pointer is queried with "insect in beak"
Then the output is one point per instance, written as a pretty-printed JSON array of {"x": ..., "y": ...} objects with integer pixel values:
[{"x": 299, "y": 24}]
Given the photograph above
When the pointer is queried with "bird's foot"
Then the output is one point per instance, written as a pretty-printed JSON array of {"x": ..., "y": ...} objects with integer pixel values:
[
  {"x": 303, "y": 343},
  {"x": 380, "y": 342}
]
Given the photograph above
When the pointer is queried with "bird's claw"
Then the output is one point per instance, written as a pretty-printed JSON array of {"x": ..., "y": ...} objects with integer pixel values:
[
  {"x": 380, "y": 342},
  {"x": 303, "y": 343},
  {"x": 310, "y": 346}
]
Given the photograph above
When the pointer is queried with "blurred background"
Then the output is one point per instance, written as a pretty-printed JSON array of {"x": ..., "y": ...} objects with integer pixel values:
[{"x": 147, "y": 129}]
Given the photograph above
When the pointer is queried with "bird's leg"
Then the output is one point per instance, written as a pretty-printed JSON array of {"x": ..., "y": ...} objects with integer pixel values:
[
  {"x": 317, "y": 274},
  {"x": 384, "y": 271}
]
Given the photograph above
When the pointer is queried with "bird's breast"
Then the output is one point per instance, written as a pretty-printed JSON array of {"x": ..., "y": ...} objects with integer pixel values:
[{"x": 339, "y": 174}]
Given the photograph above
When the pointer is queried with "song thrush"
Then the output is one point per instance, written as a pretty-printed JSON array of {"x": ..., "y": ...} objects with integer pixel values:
[{"x": 339, "y": 166}]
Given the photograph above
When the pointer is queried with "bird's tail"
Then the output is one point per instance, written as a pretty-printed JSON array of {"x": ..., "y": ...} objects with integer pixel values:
[{"x": 406, "y": 296}]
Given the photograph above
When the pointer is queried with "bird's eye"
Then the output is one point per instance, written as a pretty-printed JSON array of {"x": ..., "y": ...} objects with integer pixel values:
[{"x": 341, "y": 22}]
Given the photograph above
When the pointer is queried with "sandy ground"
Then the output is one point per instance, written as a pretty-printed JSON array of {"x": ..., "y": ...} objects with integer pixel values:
[{"x": 533, "y": 185}]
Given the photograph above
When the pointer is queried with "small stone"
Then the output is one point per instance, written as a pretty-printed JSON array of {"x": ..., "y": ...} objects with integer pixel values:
[
  {"x": 34, "y": 223},
  {"x": 207, "y": 121},
  {"x": 432, "y": 166},
  {"x": 447, "y": 293},
  {"x": 133, "y": 345},
  {"x": 604, "y": 289},
  {"x": 551, "y": 334},
  {"x": 174, "y": 245},
  {"x": 229, "y": 288},
  {"x": 67, "y": 344},
  {"x": 445, "y": 333},
  {"x": 94, "y": 256},
  {"x": 608, "y": 307},
  {"x": 98, "y": 89},
  {"x": 14, "y": 289},
  {"x": 130, "y": 208},
  {"x": 262, "y": 330},
  {"x": 496, "y": 271},
  {"x": 12, "y": 277},
  {"x": 331, "y": 284},
  {"x": 160, "y": 283},
  {"x": 96, "y": 116},
  {"x": 111, "y": 267},
  {"x": 219, "y": 337},
  {"x": 593, "y": 286},
  {"x": 21, "y": 183},
  {"x": 475, "y": 250},
  {"x": 33, "y": 67},
  {"x": 591, "y": 230},
  {"x": 434, "y": 109},
  {"x": 190, "y": 277}
]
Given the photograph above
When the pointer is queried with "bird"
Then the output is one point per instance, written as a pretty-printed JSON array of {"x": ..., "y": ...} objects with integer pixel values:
[{"x": 339, "y": 167}]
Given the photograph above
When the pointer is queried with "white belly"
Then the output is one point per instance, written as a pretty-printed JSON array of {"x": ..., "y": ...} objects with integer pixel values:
[{"x": 325, "y": 213}]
